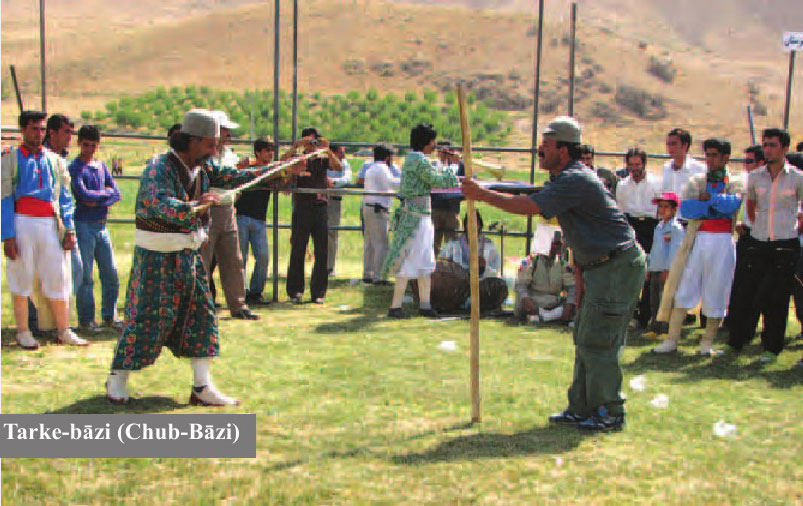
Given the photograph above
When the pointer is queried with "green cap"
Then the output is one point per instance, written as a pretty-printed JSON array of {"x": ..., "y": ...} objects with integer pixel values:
[{"x": 564, "y": 128}]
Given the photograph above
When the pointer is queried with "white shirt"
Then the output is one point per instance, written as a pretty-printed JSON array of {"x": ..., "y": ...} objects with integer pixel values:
[
  {"x": 378, "y": 178},
  {"x": 635, "y": 199},
  {"x": 394, "y": 169},
  {"x": 675, "y": 180},
  {"x": 340, "y": 178}
]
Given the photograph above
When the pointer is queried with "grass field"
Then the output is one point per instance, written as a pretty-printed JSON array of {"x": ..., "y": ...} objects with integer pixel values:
[{"x": 355, "y": 409}]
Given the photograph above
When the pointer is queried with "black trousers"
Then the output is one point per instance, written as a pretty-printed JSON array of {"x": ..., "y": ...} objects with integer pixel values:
[
  {"x": 738, "y": 292},
  {"x": 645, "y": 230},
  {"x": 309, "y": 219},
  {"x": 797, "y": 289},
  {"x": 767, "y": 285}
]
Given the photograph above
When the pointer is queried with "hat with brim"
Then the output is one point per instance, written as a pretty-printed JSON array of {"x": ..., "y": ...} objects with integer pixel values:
[
  {"x": 667, "y": 197},
  {"x": 564, "y": 129},
  {"x": 200, "y": 123},
  {"x": 224, "y": 120}
]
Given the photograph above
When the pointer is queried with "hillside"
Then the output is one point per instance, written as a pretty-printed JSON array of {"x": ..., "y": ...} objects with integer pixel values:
[{"x": 98, "y": 51}]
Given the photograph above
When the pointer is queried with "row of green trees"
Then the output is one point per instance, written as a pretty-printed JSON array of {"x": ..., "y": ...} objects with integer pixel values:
[{"x": 365, "y": 116}]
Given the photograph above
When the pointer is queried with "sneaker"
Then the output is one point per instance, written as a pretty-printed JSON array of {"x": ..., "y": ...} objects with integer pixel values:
[
  {"x": 113, "y": 324},
  {"x": 566, "y": 418},
  {"x": 117, "y": 389},
  {"x": 602, "y": 423},
  {"x": 767, "y": 357},
  {"x": 89, "y": 327},
  {"x": 668, "y": 346},
  {"x": 428, "y": 313},
  {"x": 705, "y": 348},
  {"x": 67, "y": 336},
  {"x": 318, "y": 300},
  {"x": 245, "y": 314},
  {"x": 26, "y": 341},
  {"x": 210, "y": 396},
  {"x": 396, "y": 312}
]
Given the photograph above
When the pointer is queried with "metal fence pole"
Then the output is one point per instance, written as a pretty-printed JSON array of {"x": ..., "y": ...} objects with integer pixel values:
[
  {"x": 276, "y": 140},
  {"x": 789, "y": 89},
  {"x": 295, "y": 71},
  {"x": 572, "y": 49},
  {"x": 42, "y": 53},
  {"x": 534, "y": 140}
]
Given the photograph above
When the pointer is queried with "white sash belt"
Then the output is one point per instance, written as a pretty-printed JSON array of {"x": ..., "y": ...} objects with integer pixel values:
[{"x": 169, "y": 242}]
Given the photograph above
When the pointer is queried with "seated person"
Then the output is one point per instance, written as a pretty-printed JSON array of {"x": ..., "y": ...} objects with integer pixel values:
[
  {"x": 450, "y": 281},
  {"x": 545, "y": 285}
]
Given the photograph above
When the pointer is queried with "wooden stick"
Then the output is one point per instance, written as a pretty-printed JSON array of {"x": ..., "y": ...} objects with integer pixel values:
[
  {"x": 474, "y": 267},
  {"x": 676, "y": 272},
  {"x": 282, "y": 165}
]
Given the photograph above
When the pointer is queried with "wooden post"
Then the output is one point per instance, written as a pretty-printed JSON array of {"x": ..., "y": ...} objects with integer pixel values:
[{"x": 474, "y": 268}]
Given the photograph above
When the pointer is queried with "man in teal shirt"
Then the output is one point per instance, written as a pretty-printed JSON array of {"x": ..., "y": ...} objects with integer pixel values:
[{"x": 611, "y": 263}]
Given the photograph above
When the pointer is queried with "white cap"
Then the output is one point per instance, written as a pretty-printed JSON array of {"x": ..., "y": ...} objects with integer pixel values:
[
  {"x": 224, "y": 120},
  {"x": 200, "y": 123}
]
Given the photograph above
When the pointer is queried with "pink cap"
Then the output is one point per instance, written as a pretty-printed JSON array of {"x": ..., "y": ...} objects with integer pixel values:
[{"x": 667, "y": 196}]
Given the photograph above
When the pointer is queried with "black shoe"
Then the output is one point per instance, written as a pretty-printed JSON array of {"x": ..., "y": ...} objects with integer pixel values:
[
  {"x": 603, "y": 423},
  {"x": 218, "y": 305},
  {"x": 296, "y": 299},
  {"x": 245, "y": 314},
  {"x": 690, "y": 319},
  {"x": 367, "y": 281},
  {"x": 396, "y": 312},
  {"x": 429, "y": 313},
  {"x": 383, "y": 282},
  {"x": 256, "y": 300},
  {"x": 566, "y": 418}
]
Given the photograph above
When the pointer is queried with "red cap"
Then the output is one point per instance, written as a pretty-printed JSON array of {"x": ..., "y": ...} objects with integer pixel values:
[{"x": 667, "y": 196}]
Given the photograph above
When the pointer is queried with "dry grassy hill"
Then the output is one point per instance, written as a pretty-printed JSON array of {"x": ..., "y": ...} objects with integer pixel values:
[{"x": 98, "y": 50}]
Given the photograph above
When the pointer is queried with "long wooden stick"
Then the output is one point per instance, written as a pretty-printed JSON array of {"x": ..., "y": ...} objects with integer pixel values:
[
  {"x": 282, "y": 165},
  {"x": 474, "y": 267}
]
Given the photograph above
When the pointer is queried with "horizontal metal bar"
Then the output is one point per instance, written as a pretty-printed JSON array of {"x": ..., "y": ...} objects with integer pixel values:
[{"x": 346, "y": 228}]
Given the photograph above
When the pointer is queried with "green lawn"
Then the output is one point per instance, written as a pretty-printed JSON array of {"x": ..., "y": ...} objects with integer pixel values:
[{"x": 355, "y": 409}]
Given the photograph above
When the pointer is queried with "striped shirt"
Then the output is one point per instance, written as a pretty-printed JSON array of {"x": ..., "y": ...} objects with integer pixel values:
[{"x": 777, "y": 202}]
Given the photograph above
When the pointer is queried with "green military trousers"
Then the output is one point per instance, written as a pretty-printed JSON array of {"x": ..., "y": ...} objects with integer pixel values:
[{"x": 610, "y": 297}]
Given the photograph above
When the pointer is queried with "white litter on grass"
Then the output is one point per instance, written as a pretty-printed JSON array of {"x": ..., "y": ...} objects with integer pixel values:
[
  {"x": 407, "y": 299},
  {"x": 722, "y": 429},
  {"x": 558, "y": 461},
  {"x": 638, "y": 383},
  {"x": 448, "y": 346},
  {"x": 660, "y": 401},
  {"x": 344, "y": 307}
]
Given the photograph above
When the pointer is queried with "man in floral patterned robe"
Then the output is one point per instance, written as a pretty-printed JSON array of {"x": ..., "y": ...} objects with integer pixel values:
[{"x": 168, "y": 302}]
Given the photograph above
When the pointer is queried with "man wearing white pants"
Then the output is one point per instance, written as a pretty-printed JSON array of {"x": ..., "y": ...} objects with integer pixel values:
[
  {"x": 708, "y": 274},
  {"x": 37, "y": 229},
  {"x": 378, "y": 178}
]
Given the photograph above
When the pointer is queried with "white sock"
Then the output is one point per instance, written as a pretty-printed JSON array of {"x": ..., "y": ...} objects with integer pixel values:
[
  {"x": 121, "y": 373},
  {"x": 398, "y": 293},
  {"x": 200, "y": 369},
  {"x": 424, "y": 285}
]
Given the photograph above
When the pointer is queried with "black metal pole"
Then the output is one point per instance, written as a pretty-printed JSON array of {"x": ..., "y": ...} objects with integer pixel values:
[
  {"x": 295, "y": 70},
  {"x": 16, "y": 87},
  {"x": 42, "y": 52},
  {"x": 534, "y": 141},
  {"x": 572, "y": 48},
  {"x": 789, "y": 89},
  {"x": 276, "y": 140}
]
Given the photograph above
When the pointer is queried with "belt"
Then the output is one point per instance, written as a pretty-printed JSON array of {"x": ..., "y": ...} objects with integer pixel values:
[
  {"x": 608, "y": 256},
  {"x": 377, "y": 206}
]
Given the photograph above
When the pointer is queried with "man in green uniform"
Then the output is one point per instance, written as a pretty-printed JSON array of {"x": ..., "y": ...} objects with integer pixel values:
[{"x": 611, "y": 264}]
